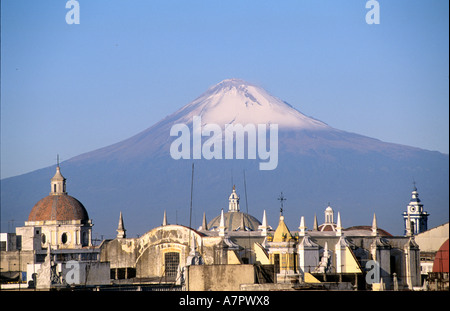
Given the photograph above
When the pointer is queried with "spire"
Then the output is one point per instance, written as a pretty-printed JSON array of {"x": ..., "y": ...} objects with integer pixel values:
[
  {"x": 121, "y": 228},
  {"x": 302, "y": 226},
  {"x": 315, "y": 226},
  {"x": 415, "y": 194},
  {"x": 58, "y": 182},
  {"x": 374, "y": 225},
  {"x": 164, "y": 219},
  {"x": 204, "y": 223},
  {"x": 264, "y": 221},
  {"x": 222, "y": 224},
  {"x": 233, "y": 205},
  {"x": 264, "y": 226},
  {"x": 339, "y": 225}
]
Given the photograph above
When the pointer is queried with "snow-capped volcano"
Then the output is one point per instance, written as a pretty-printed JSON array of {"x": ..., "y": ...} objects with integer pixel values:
[
  {"x": 234, "y": 101},
  {"x": 316, "y": 164}
]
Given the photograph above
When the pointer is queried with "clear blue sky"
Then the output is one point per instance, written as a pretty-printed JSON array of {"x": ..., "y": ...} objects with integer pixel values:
[{"x": 70, "y": 89}]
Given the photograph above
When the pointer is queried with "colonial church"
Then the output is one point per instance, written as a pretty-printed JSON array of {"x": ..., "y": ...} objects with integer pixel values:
[{"x": 58, "y": 230}]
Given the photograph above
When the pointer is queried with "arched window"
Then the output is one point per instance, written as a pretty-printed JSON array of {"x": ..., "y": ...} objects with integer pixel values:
[
  {"x": 84, "y": 239},
  {"x": 171, "y": 263},
  {"x": 64, "y": 238}
]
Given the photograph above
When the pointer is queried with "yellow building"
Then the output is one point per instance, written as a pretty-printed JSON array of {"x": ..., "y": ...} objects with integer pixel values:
[{"x": 282, "y": 253}]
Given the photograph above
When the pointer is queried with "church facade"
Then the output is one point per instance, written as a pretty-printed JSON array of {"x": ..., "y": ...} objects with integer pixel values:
[{"x": 58, "y": 231}]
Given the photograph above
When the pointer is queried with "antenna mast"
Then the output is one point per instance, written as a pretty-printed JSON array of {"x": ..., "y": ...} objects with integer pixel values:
[
  {"x": 192, "y": 190},
  {"x": 245, "y": 189}
]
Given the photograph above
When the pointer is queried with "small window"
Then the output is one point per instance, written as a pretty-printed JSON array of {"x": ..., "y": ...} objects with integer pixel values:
[
  {"x": 64, "y": 238},
  {"x": 43, "y": 238}
]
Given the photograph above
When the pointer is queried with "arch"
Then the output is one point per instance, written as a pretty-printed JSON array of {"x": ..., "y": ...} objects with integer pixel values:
[{"x": 154, "y": 244}]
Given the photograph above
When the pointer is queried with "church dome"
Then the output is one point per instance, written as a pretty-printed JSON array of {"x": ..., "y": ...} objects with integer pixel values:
[
  {"x": 58, "y": 207},
  {"x": 235, "y": 219},
  {"x": 365, "y": 230},
  {"x": 441, "y": 261},
  {"x": 327, "y": 227},
  {"x": 233, "y": 222}
]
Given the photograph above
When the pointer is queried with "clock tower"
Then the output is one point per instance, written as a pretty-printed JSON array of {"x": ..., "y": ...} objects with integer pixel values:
[{"x": 417, "y": 216}]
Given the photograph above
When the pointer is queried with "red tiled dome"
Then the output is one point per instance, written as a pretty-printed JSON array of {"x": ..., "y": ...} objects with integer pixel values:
[
  {"x": 441, "y": 261},
  {"x": 58, "y": 207},
  {"x": 327, "y": 227}
]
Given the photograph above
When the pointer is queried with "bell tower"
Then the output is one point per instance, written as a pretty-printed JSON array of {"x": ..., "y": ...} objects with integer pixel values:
[
  {"x": 233, "y": 205},
  {"x": 417, "y": 216}
]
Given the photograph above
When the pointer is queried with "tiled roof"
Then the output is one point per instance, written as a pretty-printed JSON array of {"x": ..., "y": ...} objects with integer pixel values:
[{"x": 58, "y": 207}]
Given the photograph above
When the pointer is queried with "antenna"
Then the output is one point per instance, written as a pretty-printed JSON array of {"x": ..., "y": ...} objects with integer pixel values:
[
  {"x": 192, "y": 189},
  {"x": 245, "y": 190},
  {"x": 232, "y": 183},
  {"x": 57, "y": 160},
  {"x": 190, "y": 209}
]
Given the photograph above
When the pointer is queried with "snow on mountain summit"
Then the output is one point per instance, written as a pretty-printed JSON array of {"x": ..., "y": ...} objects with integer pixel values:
[{"x": 238, "y": 102}]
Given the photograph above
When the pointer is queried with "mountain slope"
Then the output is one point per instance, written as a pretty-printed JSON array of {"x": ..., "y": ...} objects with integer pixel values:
[{"x": 317, "y": 164}]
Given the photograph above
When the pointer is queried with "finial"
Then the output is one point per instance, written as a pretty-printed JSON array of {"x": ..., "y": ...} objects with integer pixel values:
[
  {"x": 57, "y": 160},
  {"x": 302, "y": 226},
  {"x": 222, "y": 224},
  {"x": 315, "y": 226},
  {"x": 339, "y": 225},
  {"x": 204, "y": 223},
  {"x": 121, "y": 228},
  {"x": 263, "y": 227},
  {"x": 374, "y": 225},
  {"x": 164, "y": 219}
]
